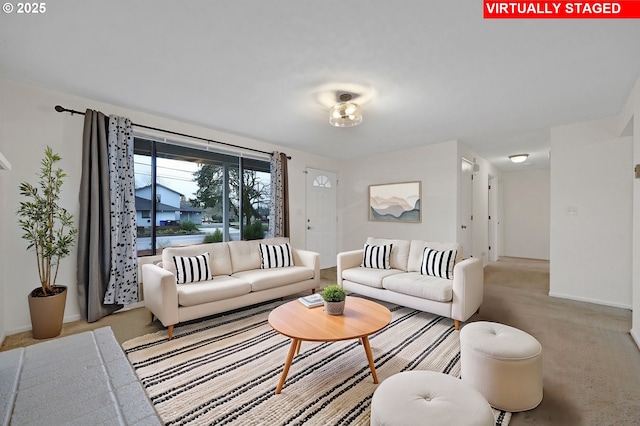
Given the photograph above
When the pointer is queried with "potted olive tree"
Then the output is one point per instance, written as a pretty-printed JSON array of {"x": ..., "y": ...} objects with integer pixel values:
[
  {"x": 48, "y": 228},
  {"x": 334, "y": 297}
]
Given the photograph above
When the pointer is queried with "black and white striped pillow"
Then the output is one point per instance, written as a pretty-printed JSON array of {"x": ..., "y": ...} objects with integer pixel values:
[
  {"x": 192, "y": 269},
  {"x": 438, "y": 263},
  {"x": 276, "y": 256},
  {"x": 376, "y": 257}
]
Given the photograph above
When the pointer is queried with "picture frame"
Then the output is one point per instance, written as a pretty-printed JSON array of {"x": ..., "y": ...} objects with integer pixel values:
[{"x": 396, "y": 202}]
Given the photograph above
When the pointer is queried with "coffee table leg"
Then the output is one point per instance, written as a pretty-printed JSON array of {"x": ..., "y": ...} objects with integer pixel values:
[
  {"x": 287, "y": 364},
  {"x": 367, "y": 350}
]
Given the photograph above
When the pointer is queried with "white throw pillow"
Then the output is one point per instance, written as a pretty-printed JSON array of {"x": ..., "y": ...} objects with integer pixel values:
[
  {"x": 192, "y": 269},
  {"x": 438, "y": 263},
  {"x": 376, "y": 257},
  {"x": 276, "y": 256}
]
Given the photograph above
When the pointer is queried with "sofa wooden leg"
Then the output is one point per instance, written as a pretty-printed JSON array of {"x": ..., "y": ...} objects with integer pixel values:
[
  {"x": 151, "y": 316},
  {"x": 170, "y": 328},
  {"x": 456, "y": 324}
]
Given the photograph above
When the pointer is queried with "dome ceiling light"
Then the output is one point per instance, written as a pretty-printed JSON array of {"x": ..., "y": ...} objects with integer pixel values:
[
  {"x": 518, "y": 158},
  {"x": 345, "y": 113}
]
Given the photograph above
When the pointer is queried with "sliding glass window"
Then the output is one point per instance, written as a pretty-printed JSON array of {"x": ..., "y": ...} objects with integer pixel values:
[{"x": 200, "y": 196}]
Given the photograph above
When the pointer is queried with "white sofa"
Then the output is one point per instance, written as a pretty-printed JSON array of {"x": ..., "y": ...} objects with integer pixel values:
[
  {"x": 238, "y": 280},
  {"x": 404, "y": 284}
]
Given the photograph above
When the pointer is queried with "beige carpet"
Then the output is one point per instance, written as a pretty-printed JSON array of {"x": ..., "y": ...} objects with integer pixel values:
[{"x": 591, "y": 364}]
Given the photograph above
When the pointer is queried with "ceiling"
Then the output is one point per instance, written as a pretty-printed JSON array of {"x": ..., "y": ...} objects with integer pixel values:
[{"x": 427, "y": 72}]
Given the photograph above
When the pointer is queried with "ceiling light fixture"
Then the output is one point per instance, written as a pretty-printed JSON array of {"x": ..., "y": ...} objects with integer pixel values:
[
  {"x": 518, "y": 158},
  {"x": 345, "y": 113}
]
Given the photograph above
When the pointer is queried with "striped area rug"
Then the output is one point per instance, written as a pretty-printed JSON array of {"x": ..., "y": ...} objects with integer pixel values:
[{"x": 224, "y": 370}]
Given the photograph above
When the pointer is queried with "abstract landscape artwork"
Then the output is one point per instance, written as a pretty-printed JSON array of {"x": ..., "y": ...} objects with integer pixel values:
[{"x": 395, "y": 202}]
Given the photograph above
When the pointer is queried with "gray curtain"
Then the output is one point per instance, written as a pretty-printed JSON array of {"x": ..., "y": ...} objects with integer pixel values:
[
  {"x": 279, "y": 212},
  {"x": 123, "y": 280},
  {"x": 94, "y": 245}
]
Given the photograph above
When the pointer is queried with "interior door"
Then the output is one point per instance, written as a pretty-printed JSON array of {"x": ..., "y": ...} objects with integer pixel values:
[
  {"x": 465, "y": 233},
  {"x": 493, "y": 219},
  {"x": 322, "y": 215}
]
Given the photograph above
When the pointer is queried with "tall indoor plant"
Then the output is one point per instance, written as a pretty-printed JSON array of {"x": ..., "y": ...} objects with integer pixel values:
[{"x": 48, "y": 228}]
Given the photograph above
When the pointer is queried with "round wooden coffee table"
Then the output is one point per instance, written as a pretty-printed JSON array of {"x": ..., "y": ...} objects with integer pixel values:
[{"x": 361, "y": 318}]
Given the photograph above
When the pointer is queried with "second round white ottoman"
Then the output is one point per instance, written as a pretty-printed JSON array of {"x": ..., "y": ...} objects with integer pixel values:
[
  {"x": 503, "y": 363},
  {"x": 427, "y": 397}
]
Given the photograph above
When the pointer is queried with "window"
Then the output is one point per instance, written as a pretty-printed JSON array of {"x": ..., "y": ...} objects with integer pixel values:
[
  {"x": 322, "y": 181},
  {"x": 198, "y": 196}
]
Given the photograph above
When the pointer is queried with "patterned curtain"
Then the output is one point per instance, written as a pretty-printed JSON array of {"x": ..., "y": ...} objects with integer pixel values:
[
  {"x": 123, "y": 277},
  {"x": 279, "y": 211},
  {"x": 96, "y": 255}
]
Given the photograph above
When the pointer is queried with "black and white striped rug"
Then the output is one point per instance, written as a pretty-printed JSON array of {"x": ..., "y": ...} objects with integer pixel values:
[{"x": 224, "y": 370}]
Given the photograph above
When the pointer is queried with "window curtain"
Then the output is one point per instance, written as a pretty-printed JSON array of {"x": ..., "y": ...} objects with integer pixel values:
[
  {"x": 279, "y": 212},
  {"x": 123, "y": 278},
  {"x": 95, "y": 229}
]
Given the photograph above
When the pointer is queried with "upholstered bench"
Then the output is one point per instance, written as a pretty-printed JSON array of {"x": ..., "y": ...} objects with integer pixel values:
[
  {"x": 418, "y": 397},
  {"x": 503, "y": 363},
  {"x": 81, "y": 379}
]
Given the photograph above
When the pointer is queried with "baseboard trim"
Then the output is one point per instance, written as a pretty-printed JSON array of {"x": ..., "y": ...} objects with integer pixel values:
[
  {"x": 635, "y": 337},
  {"x": 587, "y": 300}
]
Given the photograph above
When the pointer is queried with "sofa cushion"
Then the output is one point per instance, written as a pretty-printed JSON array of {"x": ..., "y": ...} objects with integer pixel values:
[
  {"x": 219, "y": 257},
  {"x": 418, "y": 285},
  {"x": 220, "y": 288},
  {"x": 416, "y": 252},
  {"x": 376, "y": 257},
  {"x": 192, "y": 269},
  {"x": 275, "y": 256},
  {"x": 399, "y": 251},
  {"x": 245, "y": 255},
  {"x": 369, "y": 276},
  {"x": 438, "y": 263},
  {"x": 263, "y": 279}
]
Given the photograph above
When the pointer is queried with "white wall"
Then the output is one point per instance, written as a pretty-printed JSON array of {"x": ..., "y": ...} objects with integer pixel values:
[
  {"x": 629, "y": 125},
  {"x": 526, "y": 215},
  {"x": 29, "y": 123},
  {"x": 3, "y": 213},
  {"x": 591, "y": 213},
  {"x": 434, "y": 165},
  {"x": 437, "y": 166}
]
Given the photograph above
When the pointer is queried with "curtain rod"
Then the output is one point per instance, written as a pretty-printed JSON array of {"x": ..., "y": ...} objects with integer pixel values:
[{"x": 72, "y": 111}]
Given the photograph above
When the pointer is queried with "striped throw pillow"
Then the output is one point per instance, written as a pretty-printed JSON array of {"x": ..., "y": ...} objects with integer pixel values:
[
  {"x": 377, "y": 257},
  {"x": 438, "y": 263},
  {"x": 193, "y": 269},
  {"x": 276, "y": 256}
]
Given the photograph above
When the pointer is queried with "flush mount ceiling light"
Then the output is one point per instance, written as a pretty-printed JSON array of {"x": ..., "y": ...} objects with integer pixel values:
[
  {"x": 345, "y": 113},
  {"x": 518, "y": 158}
]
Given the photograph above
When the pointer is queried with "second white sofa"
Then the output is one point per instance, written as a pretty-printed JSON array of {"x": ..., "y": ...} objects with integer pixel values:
[{"x": 409, "y": 279}]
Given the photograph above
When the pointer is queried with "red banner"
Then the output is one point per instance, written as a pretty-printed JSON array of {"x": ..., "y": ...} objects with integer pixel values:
[{"x": 629, "y": 9}]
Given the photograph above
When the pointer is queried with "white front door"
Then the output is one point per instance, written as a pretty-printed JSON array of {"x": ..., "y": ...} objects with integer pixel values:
[{"x": 322, "y": 215}]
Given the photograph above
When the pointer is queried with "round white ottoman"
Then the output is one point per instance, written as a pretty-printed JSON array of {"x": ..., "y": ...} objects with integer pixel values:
[
  {"x": 428, "y": 397},
  {"x": 503, "y": 363}
]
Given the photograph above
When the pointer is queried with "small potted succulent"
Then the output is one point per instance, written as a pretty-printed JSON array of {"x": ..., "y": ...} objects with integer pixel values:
[{"x": 334, "y": 297}]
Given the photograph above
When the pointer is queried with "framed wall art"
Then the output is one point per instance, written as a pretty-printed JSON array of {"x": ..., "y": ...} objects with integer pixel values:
[{"x": 395, "y": 202}]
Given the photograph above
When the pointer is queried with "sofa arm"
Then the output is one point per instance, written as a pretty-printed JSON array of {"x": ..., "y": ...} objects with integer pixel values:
[
  {"x": 160, "y": 293},
  {"x": 468, "y": 288},
  {"x": 307, "y": 258},
  {"x": 348, "y": 260}
]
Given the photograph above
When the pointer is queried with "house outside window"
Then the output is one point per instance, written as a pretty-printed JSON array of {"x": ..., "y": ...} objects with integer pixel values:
[{"x": 198, "y": 196}]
